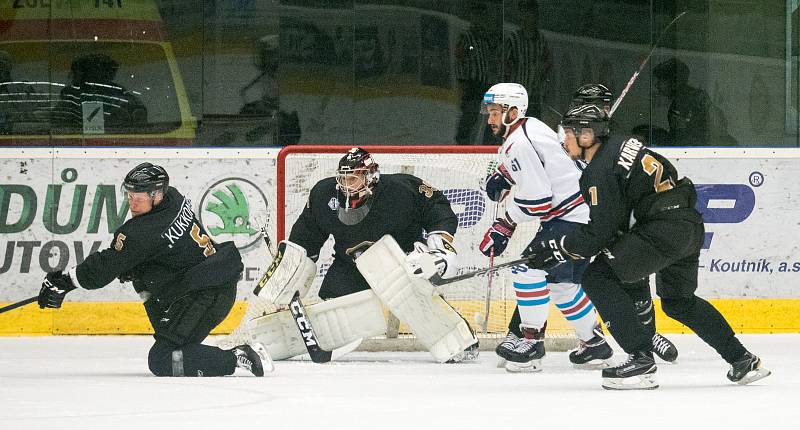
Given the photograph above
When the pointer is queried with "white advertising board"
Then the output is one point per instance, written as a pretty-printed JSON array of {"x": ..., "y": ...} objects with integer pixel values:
[{"x": 56, "y": 207}]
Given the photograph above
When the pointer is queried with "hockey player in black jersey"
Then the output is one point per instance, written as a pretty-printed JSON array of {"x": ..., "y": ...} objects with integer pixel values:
[
  {"x": 187, "y": 282},
  {"x": 602, "y": 97},
  {"x": 623, "y": 180},
  {"x": 359, "y": 206}
]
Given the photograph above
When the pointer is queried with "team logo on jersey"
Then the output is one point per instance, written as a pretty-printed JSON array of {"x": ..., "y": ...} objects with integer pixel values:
[
  {"x": 119, "y": 243},
  {"x": 232, "y": 209},
  {"x": 333, "y": 203},
  {"x": 427, "y": 189}
]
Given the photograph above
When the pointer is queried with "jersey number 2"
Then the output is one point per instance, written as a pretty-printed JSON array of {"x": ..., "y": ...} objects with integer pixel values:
[
  {"x": 203, "y": 241},
  {"x": 654, "y": 168}
]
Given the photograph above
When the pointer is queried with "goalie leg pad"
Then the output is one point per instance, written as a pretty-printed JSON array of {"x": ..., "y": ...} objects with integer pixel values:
[
  {"x": 435, "y": 323},
  {"x": 291, "y": 270},
  {"x": 337, "y": 322}
]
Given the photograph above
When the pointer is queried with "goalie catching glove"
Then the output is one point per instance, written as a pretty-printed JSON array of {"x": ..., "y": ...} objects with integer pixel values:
[
  {"x": 546, "y": 254},
  {"x": 436, "y": 259}
]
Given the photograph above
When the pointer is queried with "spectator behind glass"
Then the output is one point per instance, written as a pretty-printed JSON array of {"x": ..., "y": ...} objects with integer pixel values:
[
  {"x": 693, "y": 119},
  {"x": 92, "y": 80}
]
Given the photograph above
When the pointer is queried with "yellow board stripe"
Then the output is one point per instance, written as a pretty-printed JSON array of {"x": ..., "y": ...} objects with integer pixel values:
[{"x": 91, "y": 318}]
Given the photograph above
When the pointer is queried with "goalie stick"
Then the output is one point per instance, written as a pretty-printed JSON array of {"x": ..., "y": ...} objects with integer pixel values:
[
  {"x": 317, "y": 354},
  {"x": 21, "y": 303}
]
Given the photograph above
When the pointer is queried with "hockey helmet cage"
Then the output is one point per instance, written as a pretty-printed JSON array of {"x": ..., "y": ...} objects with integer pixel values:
[
  {"x": 596, "y": 94},
  {"x": 357, "y": 175},
  {"x": 587, "y": 116},
  {"x": 507, "y": 95},
  {"x": 146, "y": 178}
]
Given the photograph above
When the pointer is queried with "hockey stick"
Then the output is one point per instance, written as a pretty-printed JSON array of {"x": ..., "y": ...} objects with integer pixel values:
[
  {"x": 13, "y": 306},
  {"x": 262, "y": 226},
  {"x": 641, "y": 66},
  {"x": 497, "y": 267},
  {"x": 317, "y": 354}
]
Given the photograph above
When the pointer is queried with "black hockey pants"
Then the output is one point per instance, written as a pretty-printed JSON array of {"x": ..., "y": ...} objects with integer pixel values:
[
  {"x": 670, "y": 249},
  {"x": 181, "y": 325}
]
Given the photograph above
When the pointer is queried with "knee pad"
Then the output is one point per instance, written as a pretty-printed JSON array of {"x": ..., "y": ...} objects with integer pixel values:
[
  {"x": 160, "y": 360},
  {"x": 678, "y": 307}
]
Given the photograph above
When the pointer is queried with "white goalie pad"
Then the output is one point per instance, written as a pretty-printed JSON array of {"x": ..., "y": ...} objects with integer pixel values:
[
  {"x": 435, "y": 323},
  {"x": 291, "y": 270},
  {"x": 337, "y": 322}
]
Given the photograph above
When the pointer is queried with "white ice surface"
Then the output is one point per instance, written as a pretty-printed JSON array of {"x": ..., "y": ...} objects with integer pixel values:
[{"x": 86, "y": 383}]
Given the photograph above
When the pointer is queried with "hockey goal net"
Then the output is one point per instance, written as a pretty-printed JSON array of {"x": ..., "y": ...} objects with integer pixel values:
[{"x": 456, "y": 170}]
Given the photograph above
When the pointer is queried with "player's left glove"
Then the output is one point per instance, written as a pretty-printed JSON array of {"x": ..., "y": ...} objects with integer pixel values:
[
  {"x": 55, "y": 287},
  {"x": 498, "y": 184},
  {"x": 545, "y": 254}
]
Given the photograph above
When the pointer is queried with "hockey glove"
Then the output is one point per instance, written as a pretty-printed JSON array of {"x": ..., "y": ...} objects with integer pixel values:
[
  {"x": 498, "y": 184},
  {"x": 55, "y": 287},
  {"x": 545, "y": 254},
  {"x": 426, "y": 264},
  {"x": 496, "y": 237}
]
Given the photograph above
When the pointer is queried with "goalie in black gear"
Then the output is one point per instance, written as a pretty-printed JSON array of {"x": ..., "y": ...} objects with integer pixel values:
[
  {"x": 187, "y": 282},
  {"x": 359, "y": 206},
  {"x": 625, "y": 180}
]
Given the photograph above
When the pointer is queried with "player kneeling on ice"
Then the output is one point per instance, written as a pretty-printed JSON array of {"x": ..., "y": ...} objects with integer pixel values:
[
  {"x": 378, "y": 223},
  {"x": 187, "y": 281},
  {"x": 625, "y": 180},
  {"x": 545, "y": 183}
]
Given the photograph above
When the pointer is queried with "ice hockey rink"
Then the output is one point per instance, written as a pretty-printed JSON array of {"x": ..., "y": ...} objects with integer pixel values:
[{"x": 102, "y": 382}]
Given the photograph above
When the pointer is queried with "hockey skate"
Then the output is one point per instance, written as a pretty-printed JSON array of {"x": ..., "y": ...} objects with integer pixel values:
[
  {"x": 664, "y": 349},
  {"x": 527, "y": 355},
  {"x": 747, "y": 370},
  {"x": 592, "y": 354},
  {"x": 469, "y": 354},
  {"x": 638, "y": 372},
  {"x": 504, "y": 348},
  {"x": 253, "y": 358}
]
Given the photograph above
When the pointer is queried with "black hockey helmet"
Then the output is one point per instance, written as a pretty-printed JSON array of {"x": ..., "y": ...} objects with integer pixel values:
[
  {"x": 587, "y": 116},
  {"x": 357, "y": 173},
  {"x": 596, "y": 94},
  {"x": 146, "y": 178}
]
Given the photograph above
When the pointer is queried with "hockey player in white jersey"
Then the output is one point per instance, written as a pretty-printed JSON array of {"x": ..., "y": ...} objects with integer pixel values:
[{"x": 545, "y": 182}]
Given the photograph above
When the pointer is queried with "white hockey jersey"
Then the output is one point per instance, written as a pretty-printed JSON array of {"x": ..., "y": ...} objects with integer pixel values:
[{"x": 545, "y": 178}]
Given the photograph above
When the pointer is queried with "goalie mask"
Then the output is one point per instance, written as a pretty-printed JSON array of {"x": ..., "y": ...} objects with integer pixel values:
[{"x": 356, "y": 177}]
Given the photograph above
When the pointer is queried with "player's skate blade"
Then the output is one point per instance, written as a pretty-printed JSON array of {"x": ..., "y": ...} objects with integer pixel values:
[
  {"x": 526, "y": 367},
  {"x": 747, "y": 370},
  {"x": 646, "y": 381}
]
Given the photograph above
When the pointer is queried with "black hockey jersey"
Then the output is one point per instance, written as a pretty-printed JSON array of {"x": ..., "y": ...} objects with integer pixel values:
[
  {"x": 165, "y": 251},
  {"x": 626, "y": 179},
  {"x": 402, "y": 206}
]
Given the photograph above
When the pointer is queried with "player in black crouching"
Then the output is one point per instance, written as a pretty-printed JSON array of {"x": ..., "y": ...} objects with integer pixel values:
[
  {"x": 622, "y": 179},
  {"x": 187, "y": 282}
]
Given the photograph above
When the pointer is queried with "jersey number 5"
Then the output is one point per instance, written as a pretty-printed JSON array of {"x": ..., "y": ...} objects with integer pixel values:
[
  {"x": 654, "y": 168},
  {"x": 203, "y": 241}
]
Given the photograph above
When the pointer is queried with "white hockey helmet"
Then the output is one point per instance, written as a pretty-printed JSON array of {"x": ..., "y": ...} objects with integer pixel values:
[{"x": 507, "y": 95}]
